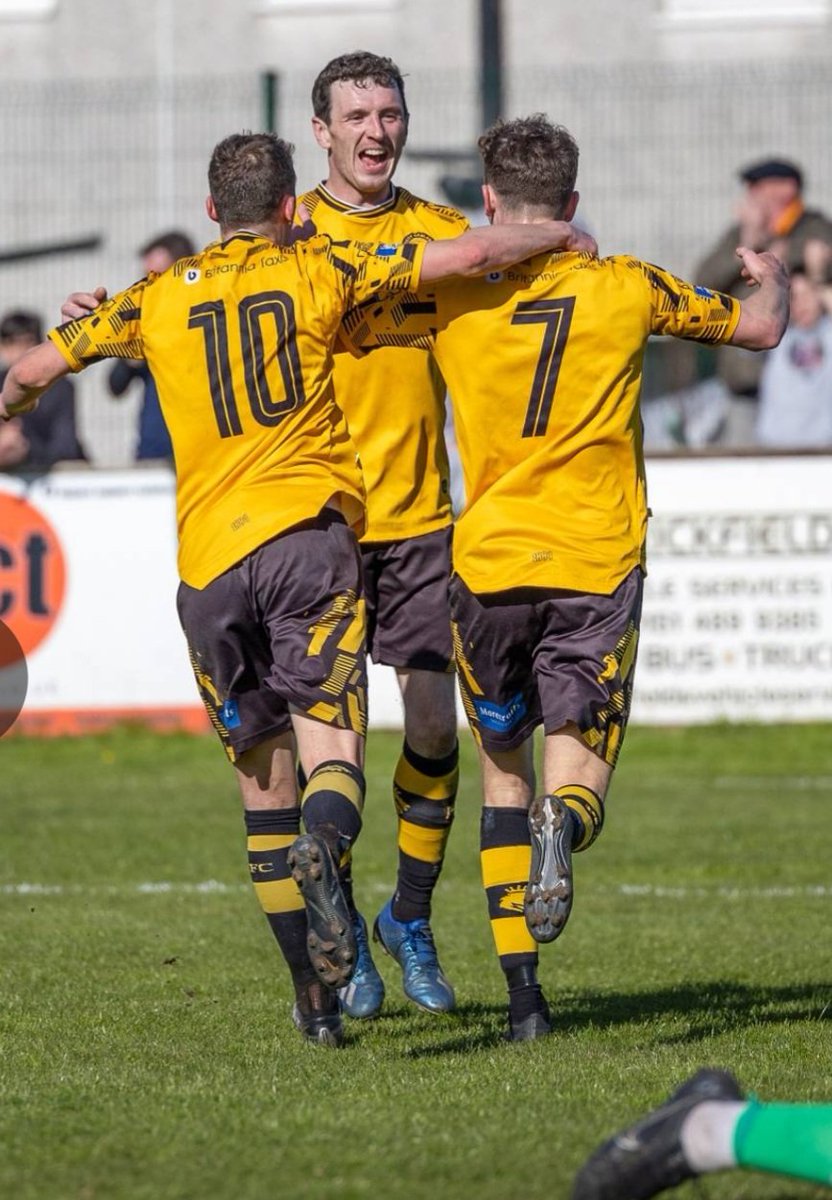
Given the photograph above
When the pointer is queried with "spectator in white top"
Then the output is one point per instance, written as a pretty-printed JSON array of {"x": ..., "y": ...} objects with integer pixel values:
[{"x": 796, "y": 384}]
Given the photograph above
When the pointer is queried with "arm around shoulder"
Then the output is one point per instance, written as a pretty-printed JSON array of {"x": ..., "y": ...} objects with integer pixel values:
[{"x": 493, "y": 247}]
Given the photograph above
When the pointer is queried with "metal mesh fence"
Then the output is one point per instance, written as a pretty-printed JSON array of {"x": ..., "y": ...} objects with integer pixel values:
[{"x": 660, "y": 147}]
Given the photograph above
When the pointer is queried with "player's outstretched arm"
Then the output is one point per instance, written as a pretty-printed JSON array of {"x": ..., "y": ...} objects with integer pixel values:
[
  {"x": 29, "y": 377},
  {"x": 492, "y": 247},
  {"x": 764, "y": 315}
]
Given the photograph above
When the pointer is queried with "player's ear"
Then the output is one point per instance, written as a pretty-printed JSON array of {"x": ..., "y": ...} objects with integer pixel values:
[
  {"x": 571, "y": 205},
  {"x": 489, "y": 202},
  {"x": 321, "y": 132},
  {"x": 211, "y": 209},
  {"x": 287, "y": 209}
]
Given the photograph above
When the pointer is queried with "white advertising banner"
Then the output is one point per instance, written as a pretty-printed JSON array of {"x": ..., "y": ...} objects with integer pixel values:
[
  {"x": 88, "y": 586},
  {"x": 737, "y": 618}
]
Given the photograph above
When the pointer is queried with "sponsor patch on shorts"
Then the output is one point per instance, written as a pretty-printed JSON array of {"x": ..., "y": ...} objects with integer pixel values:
[
  {"x": 229, "y": 714},
  {"x": 500, "y": 717}
]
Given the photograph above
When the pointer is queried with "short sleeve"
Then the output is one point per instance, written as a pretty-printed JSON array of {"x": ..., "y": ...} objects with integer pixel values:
[
  {"x": 113, "y": 330},
  {"x": 686, "y": 310}
]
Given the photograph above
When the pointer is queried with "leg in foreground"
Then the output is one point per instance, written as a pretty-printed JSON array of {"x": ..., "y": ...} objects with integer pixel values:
[{"x": 708, "y": 1125}]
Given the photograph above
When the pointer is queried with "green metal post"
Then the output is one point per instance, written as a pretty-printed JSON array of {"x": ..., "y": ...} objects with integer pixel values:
[{"x": 269, "y": 83}]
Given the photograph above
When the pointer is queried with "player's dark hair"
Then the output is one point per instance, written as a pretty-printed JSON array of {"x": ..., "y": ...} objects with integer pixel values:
[
  {"x": 176, "y": 243},
  {"x": 21, "y": 323},
  {"x": 530, "y": 161},
  {"x": 360, "y": 67},
  {"x": 249, "y": 174}
]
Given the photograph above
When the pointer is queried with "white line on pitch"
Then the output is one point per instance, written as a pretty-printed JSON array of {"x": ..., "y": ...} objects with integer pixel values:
[
  {"x": 776, "y": 783},
  {"x": 215, "y": 887}
]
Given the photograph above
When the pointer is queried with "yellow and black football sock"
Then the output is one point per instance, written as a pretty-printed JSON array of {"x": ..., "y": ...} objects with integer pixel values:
[
  {"x": 424, "y": 790},
  {"x": 332, "y": 803},
  {"x": 270, "y": 834},
  {"x": 505, "y": 859},
  {"x": 587, "y": 809}
]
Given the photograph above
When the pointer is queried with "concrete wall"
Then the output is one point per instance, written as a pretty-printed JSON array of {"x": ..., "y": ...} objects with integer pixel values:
[{"x": 88, "y": 39}]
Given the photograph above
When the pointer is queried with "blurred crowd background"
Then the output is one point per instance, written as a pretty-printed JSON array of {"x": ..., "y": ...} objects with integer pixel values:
[{"x": 109, "y": 117}]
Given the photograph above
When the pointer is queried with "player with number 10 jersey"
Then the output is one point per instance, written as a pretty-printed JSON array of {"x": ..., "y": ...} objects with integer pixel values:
[{"x": 222, "y": 318}]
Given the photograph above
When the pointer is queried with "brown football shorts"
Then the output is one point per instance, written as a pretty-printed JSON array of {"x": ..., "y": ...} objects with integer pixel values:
[
  {"x": 284, "y": 626},
  {"x": 406, "y": 589},
  {"x": 537, "y": 655}
]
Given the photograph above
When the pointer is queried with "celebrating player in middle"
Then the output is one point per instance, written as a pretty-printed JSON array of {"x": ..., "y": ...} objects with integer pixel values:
[{"x": 394, "y": 402}]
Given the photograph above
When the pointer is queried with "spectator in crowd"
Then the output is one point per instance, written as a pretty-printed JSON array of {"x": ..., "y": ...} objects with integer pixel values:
[
  {"x": 796, "y": 383},
  {"x": 154, "y": 440},
  {"x": 771, "y": 216},
  {"x": 39, "y": 439}
]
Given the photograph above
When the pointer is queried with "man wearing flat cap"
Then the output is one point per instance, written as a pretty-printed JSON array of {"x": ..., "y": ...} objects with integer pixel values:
[{"x": 771, "y": 216}]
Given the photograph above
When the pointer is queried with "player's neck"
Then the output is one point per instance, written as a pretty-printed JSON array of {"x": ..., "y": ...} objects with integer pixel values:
[
  {"x": 344, "y": 193},
  {"x": 275, "y": 233}
]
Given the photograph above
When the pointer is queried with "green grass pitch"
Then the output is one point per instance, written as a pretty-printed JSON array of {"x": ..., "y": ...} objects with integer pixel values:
[{"x": 146, "y": 1051}]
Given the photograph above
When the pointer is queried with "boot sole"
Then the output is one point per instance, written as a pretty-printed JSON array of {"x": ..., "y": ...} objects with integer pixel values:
[
  {"x": 330, "y": 940},
  {"x": 548, "y": 899}
]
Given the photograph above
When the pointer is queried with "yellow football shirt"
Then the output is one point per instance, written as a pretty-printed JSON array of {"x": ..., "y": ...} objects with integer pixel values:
[
  {"x": 543, "y": 364},
  {"x": 394, "y": 402},
  {"x": 239, "y": 341}
]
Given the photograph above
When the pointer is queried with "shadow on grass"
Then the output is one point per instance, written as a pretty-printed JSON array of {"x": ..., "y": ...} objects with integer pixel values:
[{"x": 701, "y": 1010}]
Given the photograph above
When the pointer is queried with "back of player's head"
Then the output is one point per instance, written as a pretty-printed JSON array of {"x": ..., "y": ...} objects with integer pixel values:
[
  {"x": 174, "y": 242},
  {"x": 248, "y": 176},
  {"x": 529, "y": 162},
  {"x": 359, "y": 67},
  {"x": 19, "y": 324}
]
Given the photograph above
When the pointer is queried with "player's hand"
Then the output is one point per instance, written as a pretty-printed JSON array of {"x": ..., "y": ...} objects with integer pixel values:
[
  {"x": 80, "y": 304},
  {"x": 756, "y": 268},
  {"x": 583, "y": 242},
  {"x": 306, "y": 228}
]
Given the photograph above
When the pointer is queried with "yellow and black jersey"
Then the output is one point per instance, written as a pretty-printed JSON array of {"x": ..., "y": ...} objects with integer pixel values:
[
  {"x": 394, "y": 402},
  {"x": 543, "y": 364},
  {"x": 239, "y": 341}
]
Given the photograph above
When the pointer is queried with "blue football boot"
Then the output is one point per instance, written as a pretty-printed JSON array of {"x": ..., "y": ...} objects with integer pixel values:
[
  {"x": 364, "y": 994},
  {"x": 411, "y": 944}
]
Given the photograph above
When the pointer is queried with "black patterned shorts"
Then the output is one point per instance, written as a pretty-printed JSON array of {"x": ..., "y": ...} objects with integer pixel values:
[
  {"x": 285, "y": 626},
  {"x": 534, "y": 656},
  {"x": 406, "y": 588}
]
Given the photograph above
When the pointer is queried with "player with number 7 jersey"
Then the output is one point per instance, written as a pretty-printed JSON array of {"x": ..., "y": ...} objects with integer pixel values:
[
  {"x": 543, "y": 366},
  {"x": 543, "y": 362}
]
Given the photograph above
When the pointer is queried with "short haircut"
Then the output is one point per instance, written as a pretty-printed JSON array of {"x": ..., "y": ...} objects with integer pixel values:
[
  {"x": 359, "y": 67},
  {"x": 21, "y": 323},
  {"x": 176, "y": 243},
  {"x": 530, "y": 161},
  {"x": 249, "y": 174}
]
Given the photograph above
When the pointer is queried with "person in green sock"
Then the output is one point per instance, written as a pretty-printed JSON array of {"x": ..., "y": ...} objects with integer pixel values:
[{"x": 708, "y": 1124}]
